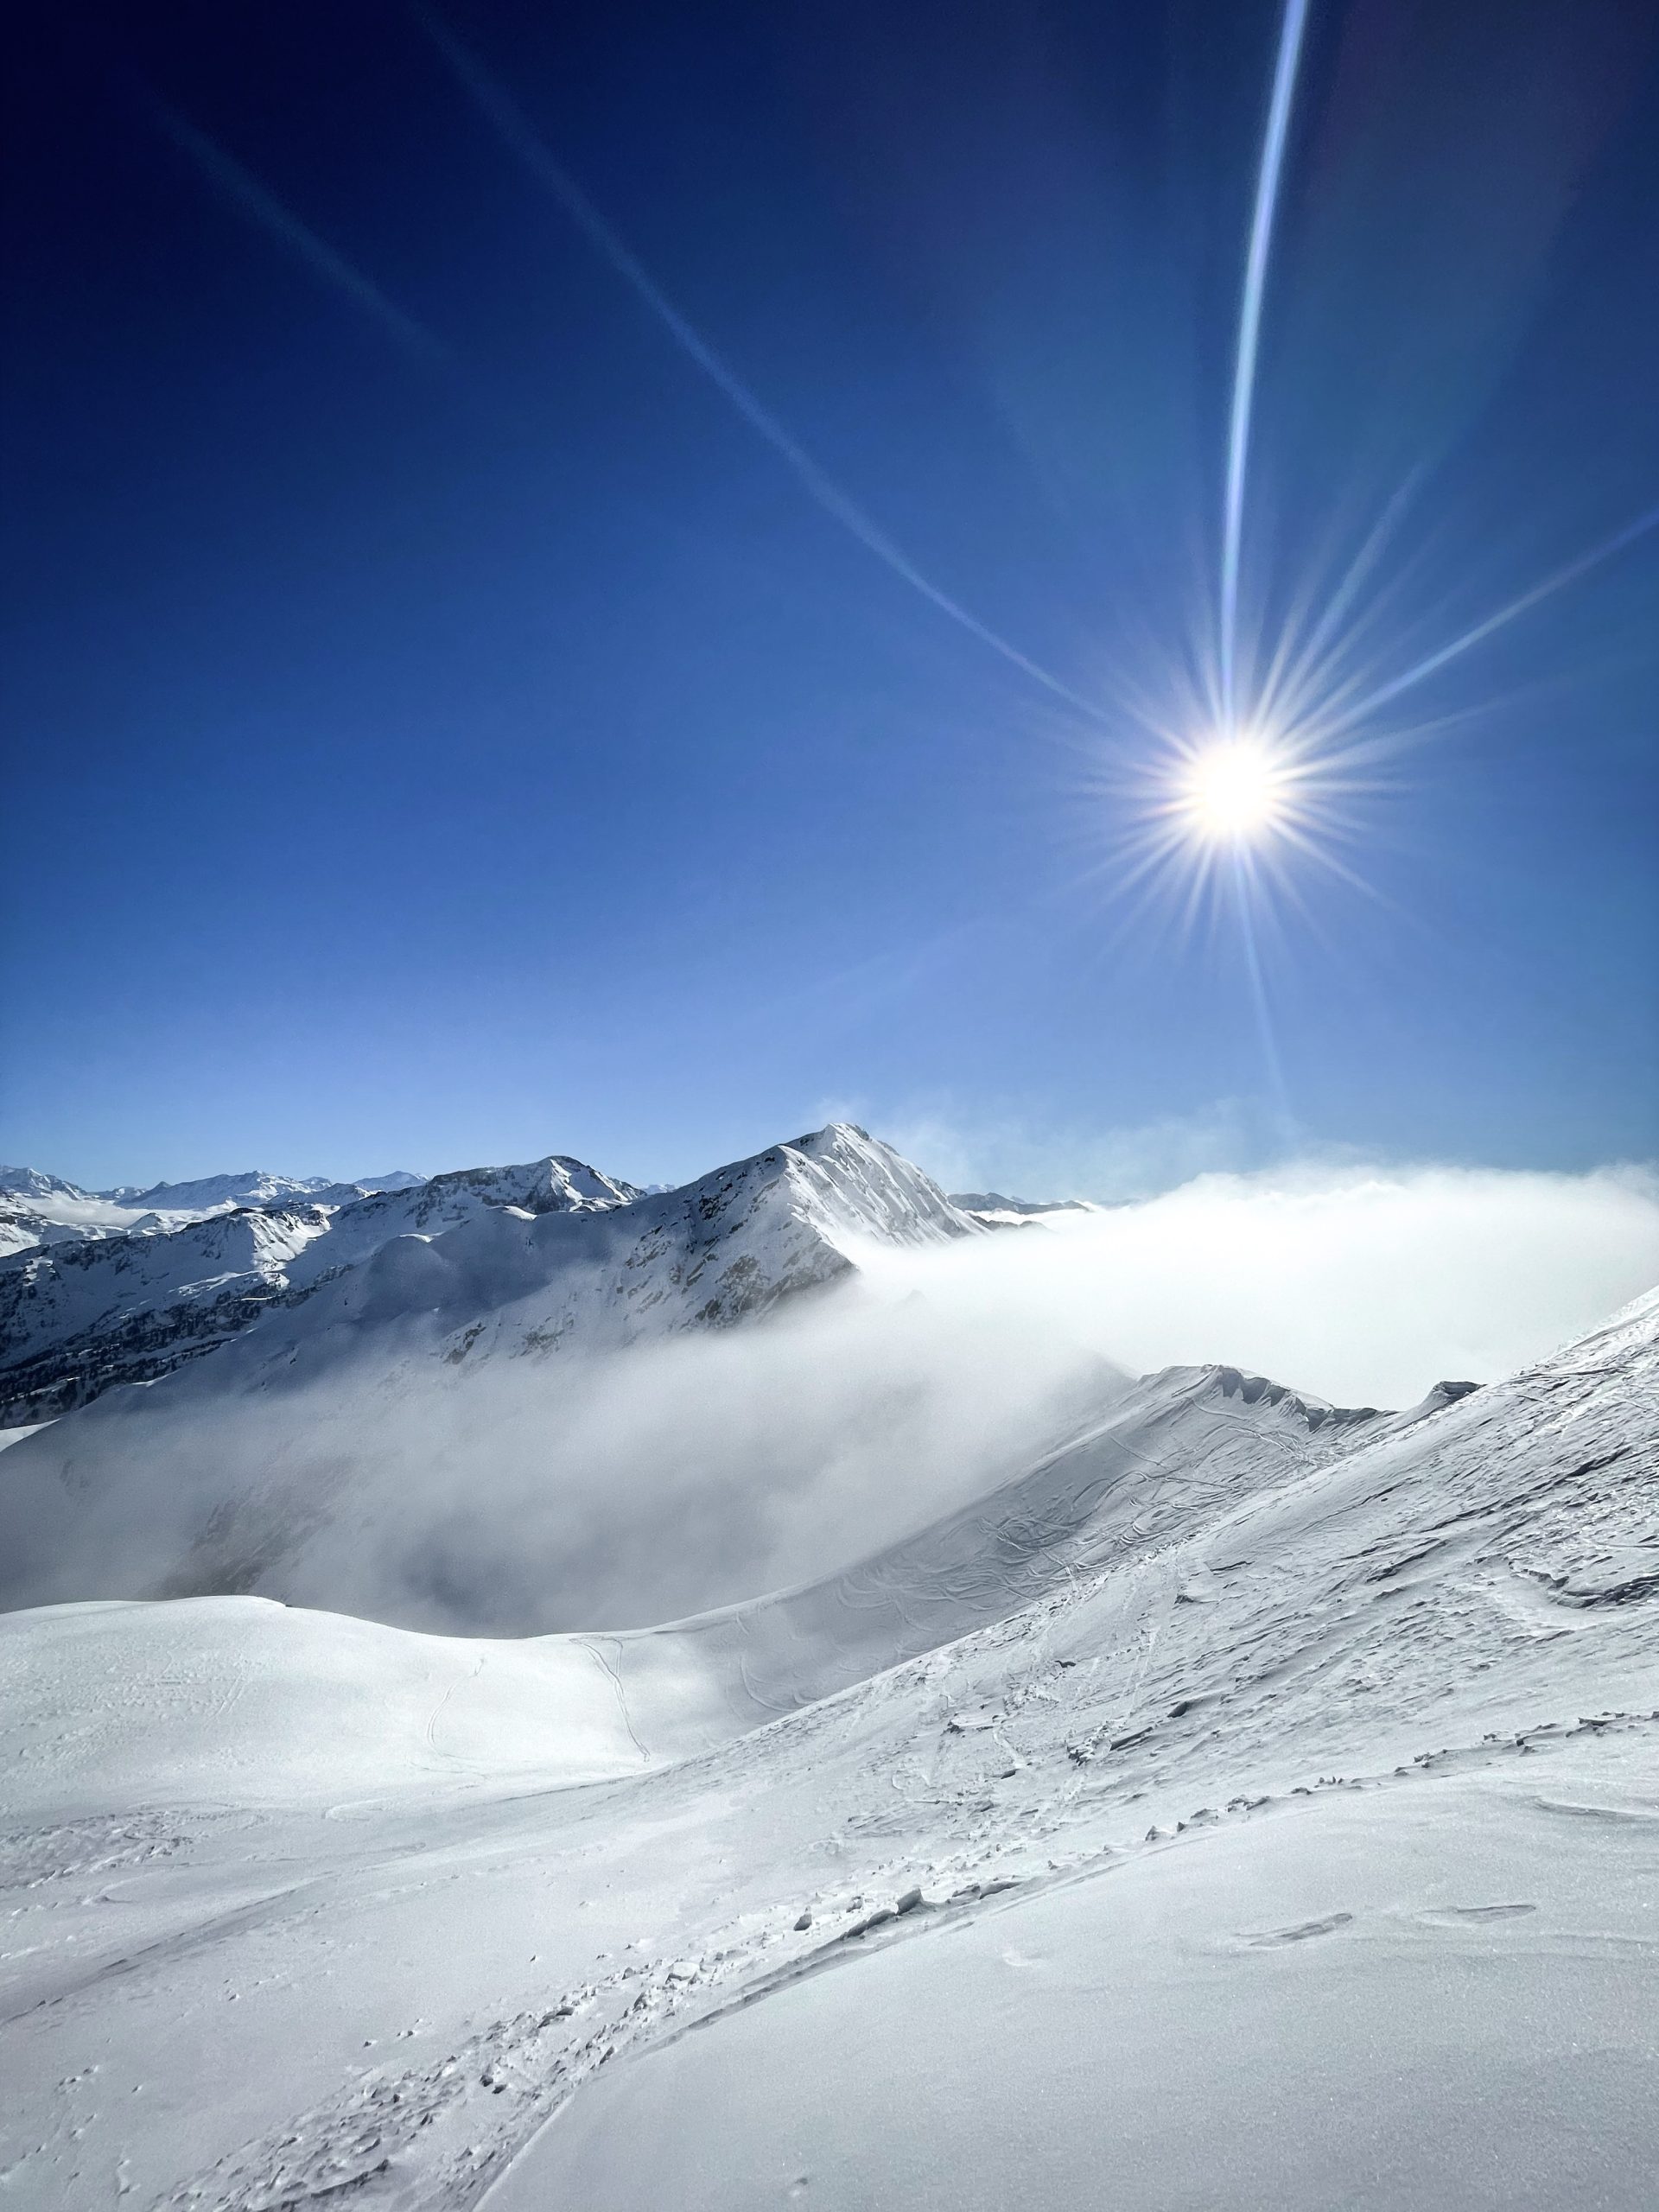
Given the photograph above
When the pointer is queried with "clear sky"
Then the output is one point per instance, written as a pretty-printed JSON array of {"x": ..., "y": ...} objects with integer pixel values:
[{"x": 494, "y": 667}]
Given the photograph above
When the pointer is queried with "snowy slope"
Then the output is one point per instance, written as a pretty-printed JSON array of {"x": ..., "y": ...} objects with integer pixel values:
[
  {"x": 133, "y": 1306},
  {"x": 1273, "y": 1826},
  {"x": 243, "y": 1700},
  {"x": 241, "y": 1472},
  {"x": 684, "y": 1687}
]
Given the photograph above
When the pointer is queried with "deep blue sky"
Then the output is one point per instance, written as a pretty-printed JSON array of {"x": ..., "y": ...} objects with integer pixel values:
[{"x": 442, "y": 729}]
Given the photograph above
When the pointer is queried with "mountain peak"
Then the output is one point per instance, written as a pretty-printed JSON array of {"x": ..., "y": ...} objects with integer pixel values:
[{"x": 32, "y": 1183}]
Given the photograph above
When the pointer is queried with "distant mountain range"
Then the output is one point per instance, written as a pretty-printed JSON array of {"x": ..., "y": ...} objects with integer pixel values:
[
  {"x": 40, "y": 1208},
  {"x": 100, "y": 1287},
  {"x": 130, "y": 1303},
  {"x": 992, "y": 1205}
]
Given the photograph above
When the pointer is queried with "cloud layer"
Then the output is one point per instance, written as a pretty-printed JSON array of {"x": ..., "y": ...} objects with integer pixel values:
[
  {"x": 616, "y": 1489},
  {"x": 1363, "y": 1284}
]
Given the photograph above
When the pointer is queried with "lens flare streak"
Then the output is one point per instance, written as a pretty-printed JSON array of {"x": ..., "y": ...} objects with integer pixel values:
[
  {"x": 1249, "y": 335},
  {"x": 515, "y": 133}
]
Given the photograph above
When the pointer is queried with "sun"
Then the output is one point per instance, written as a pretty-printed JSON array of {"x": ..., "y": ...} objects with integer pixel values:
[
  {"x": 1235, "y": 790},
  {"x": 1227, "y": 815}
]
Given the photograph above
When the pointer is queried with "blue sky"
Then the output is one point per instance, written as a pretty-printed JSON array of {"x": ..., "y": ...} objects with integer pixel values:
[{"x": 444, "y": 727}]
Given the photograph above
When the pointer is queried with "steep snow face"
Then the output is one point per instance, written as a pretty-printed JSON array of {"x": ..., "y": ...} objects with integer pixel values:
[
  {"x": 241, "y": 1471},
  {"x": 854, "y": 1186},
  {"x": 1285, "y": 1793},
  {"x": 74, "y": 1323}
]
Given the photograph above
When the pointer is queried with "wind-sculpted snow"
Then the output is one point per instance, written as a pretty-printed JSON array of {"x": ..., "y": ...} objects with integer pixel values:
[{"x": 1244, "y": 1804}]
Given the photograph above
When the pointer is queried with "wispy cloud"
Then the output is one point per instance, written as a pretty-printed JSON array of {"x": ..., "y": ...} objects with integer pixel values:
[
  {"x": 511, "y": 126},
  {"x": 255, "y": 199},
  {"x": 1027, "y": 1156}
]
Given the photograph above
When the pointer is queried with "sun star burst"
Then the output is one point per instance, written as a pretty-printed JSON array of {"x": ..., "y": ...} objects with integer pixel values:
[{"x": 1233, "y": 791}]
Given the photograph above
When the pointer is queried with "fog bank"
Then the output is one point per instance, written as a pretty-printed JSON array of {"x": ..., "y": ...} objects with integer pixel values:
[{"x": 1366, "y": 1284}]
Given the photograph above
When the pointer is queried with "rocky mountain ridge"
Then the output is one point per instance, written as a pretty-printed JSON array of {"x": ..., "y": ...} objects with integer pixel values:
[{"x": 88, "y": 1311}]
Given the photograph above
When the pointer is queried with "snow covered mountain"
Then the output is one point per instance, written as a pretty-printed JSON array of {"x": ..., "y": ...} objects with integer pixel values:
[
  {"x": 79, "y": 1316},
  {"x": 555, "y": 1184},
  {"x": 1265, "y": 1801},
  {"x": 37, "y": 1209},
  {"x": 251, "y": 1187},
  {"x": 22, "y": 1226},
  {"x": 30, "y": 1183},
  {"x": 40, "y": 1208},
  {"x": 250, "y": 1464},
  {"x": 133, "y": 1305}
]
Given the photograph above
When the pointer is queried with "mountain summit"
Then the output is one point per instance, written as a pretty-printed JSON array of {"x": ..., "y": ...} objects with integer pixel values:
[{"x": 277, "y": 1344}]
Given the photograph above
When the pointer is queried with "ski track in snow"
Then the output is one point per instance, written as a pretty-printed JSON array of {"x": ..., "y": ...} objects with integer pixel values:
[{"x": 238, "y": 1998}]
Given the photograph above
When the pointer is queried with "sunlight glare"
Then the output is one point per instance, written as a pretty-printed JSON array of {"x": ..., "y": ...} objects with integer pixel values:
[{"x": 1236, "y": 790}]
